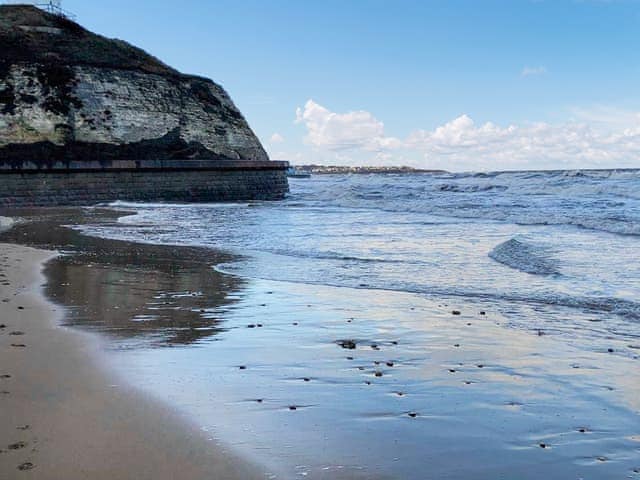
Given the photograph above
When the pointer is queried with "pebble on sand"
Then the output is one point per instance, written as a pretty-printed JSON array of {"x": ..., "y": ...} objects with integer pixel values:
[{"x": 347, "y": 344}]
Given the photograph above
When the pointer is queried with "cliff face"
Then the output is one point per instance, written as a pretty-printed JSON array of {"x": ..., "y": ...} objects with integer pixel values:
[{"x": 68, "y": 94}]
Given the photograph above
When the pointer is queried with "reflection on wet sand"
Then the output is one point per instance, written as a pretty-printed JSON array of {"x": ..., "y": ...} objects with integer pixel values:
[{"x": 150, "y": 294}]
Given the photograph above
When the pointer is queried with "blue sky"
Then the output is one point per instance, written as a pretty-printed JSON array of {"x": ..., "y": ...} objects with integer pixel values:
[{"x": 456, "y": 84}]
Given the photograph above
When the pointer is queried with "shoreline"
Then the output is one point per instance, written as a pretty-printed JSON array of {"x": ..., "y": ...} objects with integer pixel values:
[
  {"x": 430, "y": 383},
  {"x": 66, "y": 416}
]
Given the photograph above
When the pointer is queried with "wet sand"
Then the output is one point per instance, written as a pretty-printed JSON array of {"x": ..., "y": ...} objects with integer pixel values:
[{"x": 65, "y": 416}]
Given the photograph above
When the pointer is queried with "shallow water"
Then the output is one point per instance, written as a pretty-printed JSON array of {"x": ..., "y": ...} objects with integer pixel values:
[
  {"x": 545, "y": 384},
  {"x": 566, "y": 239}
]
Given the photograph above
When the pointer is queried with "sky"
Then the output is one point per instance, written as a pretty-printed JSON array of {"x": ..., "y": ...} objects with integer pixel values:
[{"x": 454, "y": 84}]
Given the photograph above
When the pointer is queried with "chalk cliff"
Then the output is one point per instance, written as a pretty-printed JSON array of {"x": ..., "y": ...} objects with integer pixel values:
[{"x": 69, "y": 94}]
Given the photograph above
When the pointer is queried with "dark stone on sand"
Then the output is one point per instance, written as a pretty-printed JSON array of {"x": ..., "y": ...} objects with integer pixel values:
[
  {"x": 16, "y": 334},
  {"x": 20, "y": 308},
  {"x": 610, "y": 350},
  {"x": 23, "y": 427},
  {"x": 390, "y": 364},
  {"x": 306, "y": 379},
  {"x": 347, "y": 344},
  {"x": 543, "y": 445},
  {"x": 259, "y": 400},
  {"x": 23, "y": 467},
  {"x": 452, "y": 370},
  {"x": 260, "y": 325},
  {"x": 242, "y": 367},
  {"x": 483, "y": 313},
  {"x": 413, "y": 414},
  {"x": 251, "y": 326},
  {"x": 5, "y": 376},
  {"x": 3, "y": 326},
  {"x": 582, "y": 430},
  {"x": 349, "y": 358},
  {"x": 457, "y": 345},
  {"x": 18, "y": 345},
  {"x": 378, "y": 374},
  {"x": 295, "y": 324},
  {"x": 480, "y": 366},
  {"x": 375, "y": 347},
  {"x": 456, "y": 312},
  {"x": 293, "y": 407},
  {"x": 17, "y": 446}
]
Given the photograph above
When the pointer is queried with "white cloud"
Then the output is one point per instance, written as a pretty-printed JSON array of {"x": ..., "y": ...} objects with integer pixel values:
[
  {"x": 461, "y": 144},
  {"x": 276, "y": 138},
  {"x": 343, "y": 131},
  {"x": 489, "y": 147},
  {"x": 531, "y": 71}
]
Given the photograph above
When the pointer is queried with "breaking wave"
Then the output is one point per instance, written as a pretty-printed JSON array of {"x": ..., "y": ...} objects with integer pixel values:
[{"x": 525, "y": 257}]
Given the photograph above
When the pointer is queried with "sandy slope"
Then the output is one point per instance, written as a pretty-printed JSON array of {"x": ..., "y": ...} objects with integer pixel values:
[{"x": 62, "y": 416}]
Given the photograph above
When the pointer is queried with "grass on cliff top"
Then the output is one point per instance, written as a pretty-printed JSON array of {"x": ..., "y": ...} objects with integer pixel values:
[{"x": 73, "y": 46}]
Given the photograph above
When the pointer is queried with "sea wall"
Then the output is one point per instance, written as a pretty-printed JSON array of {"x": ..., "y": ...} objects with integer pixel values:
[{"x": 83, "y": 184}]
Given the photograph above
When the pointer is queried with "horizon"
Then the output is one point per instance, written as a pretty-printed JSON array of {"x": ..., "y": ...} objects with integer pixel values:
[{"x": 458, "y": 86}]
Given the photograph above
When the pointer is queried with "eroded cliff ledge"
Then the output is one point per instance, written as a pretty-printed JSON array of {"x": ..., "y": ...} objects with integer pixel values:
[{"x": 67, "y": 94}]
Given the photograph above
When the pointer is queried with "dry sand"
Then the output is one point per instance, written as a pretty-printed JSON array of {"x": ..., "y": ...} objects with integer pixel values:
[{"x": 64, "y": 417}]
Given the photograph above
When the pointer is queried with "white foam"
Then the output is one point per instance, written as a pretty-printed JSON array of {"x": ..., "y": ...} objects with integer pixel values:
[{"x": 6, "y": 223}]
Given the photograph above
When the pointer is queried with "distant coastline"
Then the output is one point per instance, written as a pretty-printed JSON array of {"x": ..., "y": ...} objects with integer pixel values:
[{"x": 333, "y": 170}]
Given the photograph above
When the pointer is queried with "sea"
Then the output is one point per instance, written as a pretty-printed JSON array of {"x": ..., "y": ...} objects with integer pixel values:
[{"x": 536, "y": 274}]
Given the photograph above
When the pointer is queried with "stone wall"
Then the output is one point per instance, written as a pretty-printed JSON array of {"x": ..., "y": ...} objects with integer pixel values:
[{"x": 84, "y": 187}]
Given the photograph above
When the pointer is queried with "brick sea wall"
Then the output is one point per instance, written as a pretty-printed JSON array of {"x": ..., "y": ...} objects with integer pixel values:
[{"x": 83, "y": 187}]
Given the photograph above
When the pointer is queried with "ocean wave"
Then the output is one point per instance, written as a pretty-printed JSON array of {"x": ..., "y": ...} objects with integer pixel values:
[
  {"x": 525, "y": 257},
  {"x": 627, "y": 309},
  {"x": 452, "y": 187}
]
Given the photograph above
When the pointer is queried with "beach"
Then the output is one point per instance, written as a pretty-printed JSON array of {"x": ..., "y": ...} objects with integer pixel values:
[
  {"x": 383, "y": 345},
  {"x": 65, "y": 416}
]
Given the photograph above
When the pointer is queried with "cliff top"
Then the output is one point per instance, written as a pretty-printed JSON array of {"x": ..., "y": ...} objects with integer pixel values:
[{"x": 29, "y": 34}]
